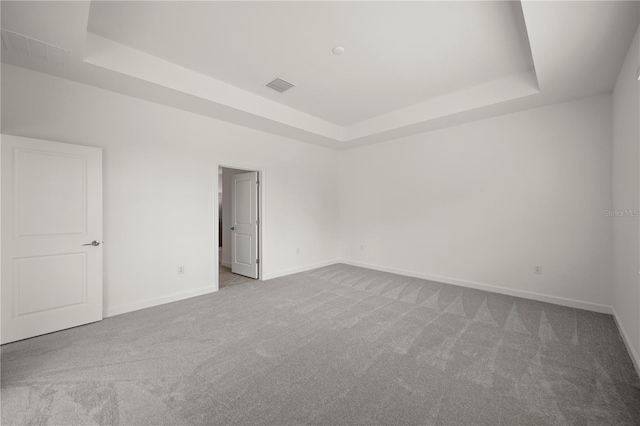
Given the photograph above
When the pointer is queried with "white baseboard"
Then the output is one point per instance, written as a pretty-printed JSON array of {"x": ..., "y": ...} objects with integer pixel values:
[
  {"x": 572, "y": 303},
  {"x": 148, "y": 303},
  {"x": 225, "y": 263},
  {"x": 625, "y": 338},
  {"x": 278, "y": 274}
]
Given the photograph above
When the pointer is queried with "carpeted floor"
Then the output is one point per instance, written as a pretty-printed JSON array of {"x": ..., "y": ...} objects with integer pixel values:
[{"x": 337, "y": 345}]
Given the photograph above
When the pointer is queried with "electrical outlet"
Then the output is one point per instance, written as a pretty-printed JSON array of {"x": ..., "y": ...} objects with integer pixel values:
[
  {"x": 180, "y": 269},
  {"x": 537, "y": 269}
]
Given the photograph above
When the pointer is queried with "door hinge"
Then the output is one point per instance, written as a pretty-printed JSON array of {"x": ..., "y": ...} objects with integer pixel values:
[
  {"x": 257, "y": 182},
  {"x": 257, "y": 261},
  {"x": 257, "y": 222}
]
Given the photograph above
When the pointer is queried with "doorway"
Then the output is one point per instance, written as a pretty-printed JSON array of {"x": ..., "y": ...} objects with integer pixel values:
[{"x": 239, "y": 225}]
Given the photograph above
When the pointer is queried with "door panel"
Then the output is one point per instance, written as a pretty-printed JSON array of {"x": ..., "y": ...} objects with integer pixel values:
[
  {"x": 244, "y": 215},
  {"x": 51, "y": 208},
  {"x": 243, "y": 249},
  {"x": 243, "y": 201},
  {"x": 45, "y": 205},
  {"x": 32, "y": 294}
]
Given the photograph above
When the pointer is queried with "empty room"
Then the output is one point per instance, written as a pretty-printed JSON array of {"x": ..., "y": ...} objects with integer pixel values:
[{"x": 323, "y": 213}]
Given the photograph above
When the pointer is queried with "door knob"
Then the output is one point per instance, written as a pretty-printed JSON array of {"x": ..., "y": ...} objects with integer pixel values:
[
  {"x": 93, "y": 243},
  {"x": 233, "y": 228}
]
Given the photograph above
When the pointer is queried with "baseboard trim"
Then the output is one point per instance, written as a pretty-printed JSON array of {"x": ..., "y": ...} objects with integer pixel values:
[
  {"x": 627, "y": 342},
  {"x": 148, "y": 303},
  {"x": 572, "y": 303},
  {"x": 227, "y": 264},
  {"x": 305, "y": 268}
]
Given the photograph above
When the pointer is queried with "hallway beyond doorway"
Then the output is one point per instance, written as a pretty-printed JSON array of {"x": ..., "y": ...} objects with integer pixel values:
[{"x": 226, "y": 278}]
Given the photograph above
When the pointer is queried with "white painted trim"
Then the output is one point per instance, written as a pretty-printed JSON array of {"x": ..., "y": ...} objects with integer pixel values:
[
  {"x": 227, "y": 264},
  {"x": 113, "y": 56},
  {"x": 278, "y": 274},
  {"x": 572, "y": 303},
  {"x": 635, "y": 358},
  {"x": 148, "y": 303}
]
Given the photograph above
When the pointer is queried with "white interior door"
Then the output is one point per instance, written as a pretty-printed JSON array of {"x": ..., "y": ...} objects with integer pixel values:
[
  {"x": 244, "y": 219},
  {"x": 51, "y": 214}
]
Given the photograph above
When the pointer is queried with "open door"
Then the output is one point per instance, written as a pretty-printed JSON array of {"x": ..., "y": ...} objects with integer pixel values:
[
  {"x": 244, "y": 218},
  {"x": 51, "y": 236}
]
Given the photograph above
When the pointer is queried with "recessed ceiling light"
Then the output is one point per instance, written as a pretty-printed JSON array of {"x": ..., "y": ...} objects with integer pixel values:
[{"x": 338, "y": 50}]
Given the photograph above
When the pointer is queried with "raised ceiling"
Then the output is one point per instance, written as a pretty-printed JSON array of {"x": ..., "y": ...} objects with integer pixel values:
[
  {"x": 408, "y": 66},
  {"x": 397, "y": 54}
]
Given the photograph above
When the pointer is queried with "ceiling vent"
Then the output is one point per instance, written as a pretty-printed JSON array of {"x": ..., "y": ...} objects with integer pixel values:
[
  {"x": 40, "y": 50},
  {"x": 280, "y": 85}
]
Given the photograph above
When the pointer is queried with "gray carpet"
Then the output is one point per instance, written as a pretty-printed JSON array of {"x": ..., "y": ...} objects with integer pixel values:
[{"x": 337, "y": 345}]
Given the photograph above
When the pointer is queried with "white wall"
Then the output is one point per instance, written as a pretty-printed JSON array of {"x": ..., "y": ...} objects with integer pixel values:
[
  {"x": 227, "y": 184},
  {"x": 480, "y": 204},
  {"x": 160, "y": 190},
  {"x": 626, "y": 197}
]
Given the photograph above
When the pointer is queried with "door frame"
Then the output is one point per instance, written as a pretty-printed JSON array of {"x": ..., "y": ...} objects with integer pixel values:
[{"x": 261, "y": 214}]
